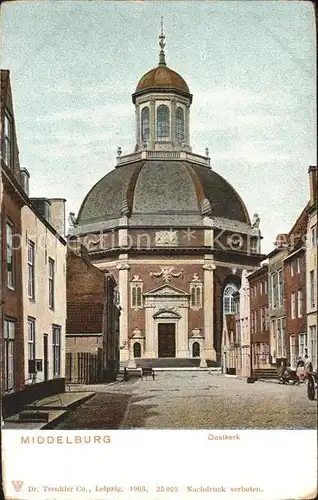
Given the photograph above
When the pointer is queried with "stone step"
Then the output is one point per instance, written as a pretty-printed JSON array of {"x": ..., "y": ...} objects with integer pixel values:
[
  {"x": 265, "y": 373},
  {"x": 171, "y": 363}
]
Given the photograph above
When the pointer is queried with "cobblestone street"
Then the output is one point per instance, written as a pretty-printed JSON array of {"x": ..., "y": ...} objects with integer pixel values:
[{"x": 193, "y": 400}]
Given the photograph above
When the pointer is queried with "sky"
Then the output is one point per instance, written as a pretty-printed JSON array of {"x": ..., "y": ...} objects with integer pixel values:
[{"x": 249, "y": 65}]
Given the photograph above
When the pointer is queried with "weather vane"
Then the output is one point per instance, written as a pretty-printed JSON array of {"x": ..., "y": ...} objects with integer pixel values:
[{"x": 162, "y": 44}]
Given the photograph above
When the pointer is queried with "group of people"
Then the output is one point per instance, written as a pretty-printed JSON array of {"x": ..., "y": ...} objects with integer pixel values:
[{"x": 303, "y": 367}]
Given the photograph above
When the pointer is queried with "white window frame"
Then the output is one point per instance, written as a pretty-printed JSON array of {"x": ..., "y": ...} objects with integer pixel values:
[
  {"x": 51, "y": 283},
  {"x": 298, "y": 265},
  {"x": 280, "y": 287},
  {"x": 312, "y": 345},
  {"x": 228, "y": 293},
  {"x": 292, "y": 269},
  {"x": 312, "y": 288},
  {"x": 299, "y": 303},
  {"x": 302, "y": 344},
  {"x": 136, "y": 295},
  {"x": 31, "y": 341},
  {"x": 196, "y": 295},
  {"x": 31, "y": 270},
  {"x": 56, "y": 349},
  {"x": 293, "y": 351},
  {"x": 293, "y": 305},
  {"x": 313, "y": 232},
  {"x": 9, "y": 355},
  {"x": 10, "y": 256},
  {"x": 274, "y": 290}
]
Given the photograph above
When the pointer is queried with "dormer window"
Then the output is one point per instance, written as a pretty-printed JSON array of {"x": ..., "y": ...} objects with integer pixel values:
[
  {"x": 163, "y": 122},
  {"x": 8, "y": 140},
  {"x": 145, "y": 124},
  {"x": 180, "y": 124}
]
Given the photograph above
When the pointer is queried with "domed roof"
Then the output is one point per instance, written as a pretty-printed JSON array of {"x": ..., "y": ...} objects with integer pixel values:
[
  {"x": 162, "y": 77},
  {"x": 170, "y": 189}
]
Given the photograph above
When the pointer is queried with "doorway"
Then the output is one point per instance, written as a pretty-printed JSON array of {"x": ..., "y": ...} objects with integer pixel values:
[
  {"x": 45, "y": 357},
  {"x": 166, "y": 340},
  {"x": 196, "y": 350}
]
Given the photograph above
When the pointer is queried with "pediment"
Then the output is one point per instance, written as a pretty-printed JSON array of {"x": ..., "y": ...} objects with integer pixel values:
[
  {"x": 167, "y": 313},
  {"x": 166, "y": 291}
]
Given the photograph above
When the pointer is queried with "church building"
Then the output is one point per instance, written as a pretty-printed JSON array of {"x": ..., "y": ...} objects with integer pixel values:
[{"x": 174, "y": 233}]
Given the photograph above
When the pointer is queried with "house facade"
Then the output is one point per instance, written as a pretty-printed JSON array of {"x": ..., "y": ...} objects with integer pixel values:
[
  {"x": 33, "y": 333},
  {"x": 12, "y": 200},
  {"x": 276, "y": 301},
  {"x": 259, "y": 318},
  {"x": 295, "y": 291},
  {"x": 311, "y": 269},
  {"x": 44, "y": 295},
  {"x": 92, "y": 315}
]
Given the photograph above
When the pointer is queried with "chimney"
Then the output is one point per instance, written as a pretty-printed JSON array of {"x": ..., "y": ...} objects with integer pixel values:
[
  {"x": 58, "y": 215},
  {"x": 43, "y": 205},
  {"x": 24, "y": 180},
  {"x": 313, "y": 184}
]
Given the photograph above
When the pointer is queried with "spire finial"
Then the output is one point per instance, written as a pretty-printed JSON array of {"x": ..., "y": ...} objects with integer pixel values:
[{"x": 162, "y": 58}]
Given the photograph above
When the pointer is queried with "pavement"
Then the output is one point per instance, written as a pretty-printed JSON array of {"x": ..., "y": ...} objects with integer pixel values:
[
  {"x": 194, "y": 400},
  {"x": 57, "y": 407}
]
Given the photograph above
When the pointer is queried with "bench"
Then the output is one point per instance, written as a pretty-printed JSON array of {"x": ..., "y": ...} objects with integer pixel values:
[{"x": 146, "y": 372}]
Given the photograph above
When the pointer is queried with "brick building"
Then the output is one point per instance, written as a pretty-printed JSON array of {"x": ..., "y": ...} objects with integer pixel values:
[
  {"x": 259, "y": 318},
  {"x": 13, "y": 199},
  {"x": 311, "y": 269},
  {"x": 174, "y": 233},
  {"x": 295, "y": 290},
  {"x": 276, "y": 300},
  {"x": 32, "y": 337},
  {"x": 92, "y": 312}
]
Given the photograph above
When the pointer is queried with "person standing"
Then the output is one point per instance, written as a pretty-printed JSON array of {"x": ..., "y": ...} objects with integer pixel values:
[{"x": 300, "y": 369}]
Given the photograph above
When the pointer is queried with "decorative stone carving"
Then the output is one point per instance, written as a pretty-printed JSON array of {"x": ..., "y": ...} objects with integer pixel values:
[
  {"x": 167, "y": 273},
  {"x": 196, "y": 332},
  {"x": 209, "y": 267},
  {"x": 166, "y": 238},
  {"x": 196, "y": 278},
  {"x": 137, "y": 333},
  {"x": 136, "y": 277},
  {"x": 206, "y": 208},
  {"x": 166, "y": 290},
  {"x": 255, "y": 221},
  {"x": 122, "y": 266},
  {"x": 234, "y": 270},
  {"x": 72, "y": 219}
]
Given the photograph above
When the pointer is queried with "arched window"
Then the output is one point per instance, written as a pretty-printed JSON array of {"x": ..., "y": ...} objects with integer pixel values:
[
  {"x": 195, "y": 350},
  {"x": 163, "y": 122},
  {"x": 180, "y": 124},
  {"x": 196, "y": 294},
  {"x": 145, "y": 124},
  {"x": 228, "y": 300},
  {"x": 136, "y": 295},
  {"x": 137, "y": 350}
]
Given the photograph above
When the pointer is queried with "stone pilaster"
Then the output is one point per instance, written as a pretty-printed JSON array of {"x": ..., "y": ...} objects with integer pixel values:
[
  {"x": 138, "y": 138},
  {"x": 150, "y": 333},
  {"x": 123, "y": 268},
  {"x": 173, "y": 122},
  {"x": 152, "y": 124},
  {"x": 187, "y": 125},
  {"x": 182, "y": 330},
  {"x": 209, "y": 267}
]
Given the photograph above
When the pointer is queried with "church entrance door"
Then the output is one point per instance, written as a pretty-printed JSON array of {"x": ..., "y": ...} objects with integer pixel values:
[{"x": 166, "y": 340}]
